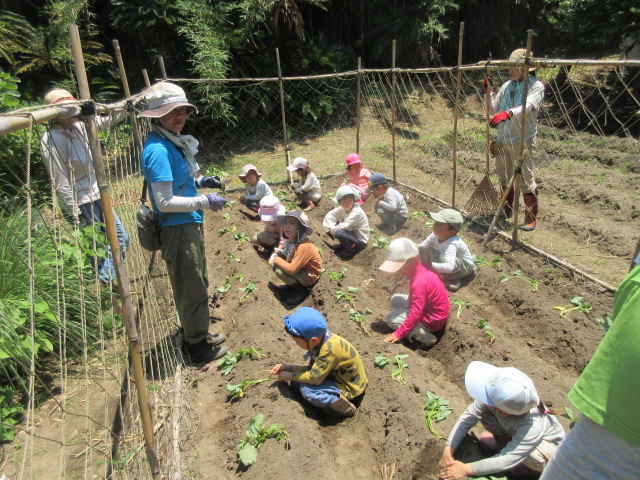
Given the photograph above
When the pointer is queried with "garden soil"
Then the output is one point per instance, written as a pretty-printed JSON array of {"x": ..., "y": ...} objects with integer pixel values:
[{"x": 389, "y": 430}]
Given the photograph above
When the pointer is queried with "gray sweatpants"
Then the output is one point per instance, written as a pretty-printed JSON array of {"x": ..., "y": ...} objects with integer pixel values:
[{"x": 395, "y": 318}]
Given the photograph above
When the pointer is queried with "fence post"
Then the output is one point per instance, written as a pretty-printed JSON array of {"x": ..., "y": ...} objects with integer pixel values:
[
  {"x": 284, "y": 120},
  {"x": 127, "y": 93},
  {"x": 518, "y": 167},
  {"x": 162, "y": 69},
  {"x": 135, "y": 348},
  {"x": 393, "y": 107},
  {"x": 145, "y": 75},
  {"x": 358, "y": 99},
  {"x": 455, "y": 117}
]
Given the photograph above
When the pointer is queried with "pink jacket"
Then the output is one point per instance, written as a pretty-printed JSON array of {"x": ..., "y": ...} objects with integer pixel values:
[
  {"x": 428, "y": 302},
  {"x": 360, "y": 179}
]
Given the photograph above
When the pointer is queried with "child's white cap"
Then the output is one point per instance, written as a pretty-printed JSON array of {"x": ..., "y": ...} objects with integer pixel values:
[
  {"x": 270, "y": 208},
  {"x": 299, "y": 162},
  {"x": 400, "y": 250},
  {"x": 506, "y": 388}
]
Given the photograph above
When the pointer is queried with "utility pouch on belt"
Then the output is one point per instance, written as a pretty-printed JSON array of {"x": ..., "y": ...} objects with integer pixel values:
[
  {"x": 148, "y": 227},
  {"x": 495, "y": 148}
]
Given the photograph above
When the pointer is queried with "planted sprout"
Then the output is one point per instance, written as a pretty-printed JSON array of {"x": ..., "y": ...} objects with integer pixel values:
[
  {"x": 241, "y": 238},
  {"x": 232, "y": 256},
  {"x": 487, "y": 331},
  {"x": 255, "y": 436},
  {"x": 348, "y": 296},
  {"x": 518, "y": 274},
  {"x": 381, "y": 361},
  {"x": 418, "y": 215},
  {"x": 247, "y": 290},
  {"x": 357, "y": 317},
  {"x": 226, "y": 216},
  {"x": 429, "y": 223},
  {"x": 437, "y": 409},
  {"x": 224, "y": 230},
  {"x": 577, "y": 305},
  {"x": 338, "y": 276},
  {"x": 381, "y": 242},
  {"x": 462, "y": 305},
  {"x": 605, "y": 323},
  {"x": 480, "y": 261},
  {"x": 237, "y": 391},
  {"x": 282, "y": 196},
  {"x": 227, "y": 285},
  {"x": 231, "y": 203},
  {"x": 230, "y": 360}
]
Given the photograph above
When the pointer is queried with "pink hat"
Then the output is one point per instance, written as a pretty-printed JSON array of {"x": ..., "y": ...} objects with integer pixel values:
[
  {"x": 270, "y": 208},
  {"x": 246, "y": 169},
  {"x": 353, "y": 158}
]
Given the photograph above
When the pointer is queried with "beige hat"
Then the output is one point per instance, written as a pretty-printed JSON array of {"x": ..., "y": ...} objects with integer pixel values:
[
  {"x": 299, "y": 162},
  {"x": 57, "y": 95},
  {"x": 400, "y": 250},
  {"x": 164, "y": 97},
  {"x": 519, "y": 55},
  {"x": 246, "y": 169}
]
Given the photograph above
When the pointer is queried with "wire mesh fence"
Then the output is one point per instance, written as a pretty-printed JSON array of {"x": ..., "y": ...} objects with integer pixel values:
[{"x": 67, "y": 343}]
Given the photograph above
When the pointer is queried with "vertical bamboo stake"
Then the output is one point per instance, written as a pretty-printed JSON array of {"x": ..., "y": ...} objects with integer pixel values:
[
  {"x": 455, "y": 118},
  {"x": 127, "y": 93},
  {"x": 487, "y": 99},
  {"x": 162, "y": 69},
  {"x": 393, "y": 107},
  {"x": 135, "y": 347},
  {"x": 358, "y": 99},
  {"x": 284, "y": 121},
  {"x": 518, "y": 167},
  {"x": 145, "y": 75}
]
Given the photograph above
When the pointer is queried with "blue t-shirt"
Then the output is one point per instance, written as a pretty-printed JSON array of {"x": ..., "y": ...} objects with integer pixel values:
[{"x": 163, "y": 162}]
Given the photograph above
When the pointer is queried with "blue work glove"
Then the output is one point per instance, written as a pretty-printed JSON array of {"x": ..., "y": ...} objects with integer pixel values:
[
  {"x": 208, "y": 182},
  {"x": 216, "y": 202}
]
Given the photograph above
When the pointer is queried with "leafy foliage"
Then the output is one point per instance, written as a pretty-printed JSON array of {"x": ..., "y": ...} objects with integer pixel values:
[
  {"x": 247, "y": 290},
  {"x": 228, "y": 282},
  {"x": 577, "y": 305},
  {"x": 397, "y": 375},
  {"x": 230, "y": 360},
  {"x": 437, "y": 409},
  {"x": 518, "y": 274},
  {"x": 255, "y": 436},
  {"x": 462, "y": 305},
  {"x": 338, "y": 276},
  {"x": 381, "y": 242},
  {"x": 237, "y": 391}
]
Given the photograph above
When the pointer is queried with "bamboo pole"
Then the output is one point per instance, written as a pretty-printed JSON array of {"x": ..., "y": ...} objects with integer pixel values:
[
  {"x": 487, "y": 132},
  {"x": 125, "y": 85},
  {"x": 145, "y": 75},
  {"x": 358, "y": 100},
  {"x": 523, "y": 120},
  {"x": 135, "y": 347},
  {"x": 455, "y": 118},
  {"x": 284, "y": 120},
  {"x": 393, "y": 107},
  {"x": 162, "y": 69},
  {"x": 13, "y": 123}
]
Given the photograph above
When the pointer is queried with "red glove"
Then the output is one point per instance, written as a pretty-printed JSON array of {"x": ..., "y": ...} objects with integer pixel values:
[
  {"x": 499, "y": 118},
  {"x": 487, "y": 83}
]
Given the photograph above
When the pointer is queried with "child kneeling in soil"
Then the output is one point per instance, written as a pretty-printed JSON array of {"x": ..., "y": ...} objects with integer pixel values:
[
  {"x": 335, "y": 380},
  {"x": 518, "y": 426},
  {"x": 308, "y": 191},
  {"x": 296, "y": 261},
  {"x": 347, "y": 223},
  {"x": 445, "y": 252},
  {"x": 390, "y": 205},
  {"x": 422, "y": 315},
  {"x": 256, "y": 188},
  {"x": 269, "y": 211}
]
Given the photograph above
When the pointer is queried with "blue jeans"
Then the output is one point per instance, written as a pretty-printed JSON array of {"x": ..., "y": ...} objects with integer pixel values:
[
  {"x": 319, "y": 396},
  {"x": 348, "y": 239},
  {"x": 92, "y": 213}
]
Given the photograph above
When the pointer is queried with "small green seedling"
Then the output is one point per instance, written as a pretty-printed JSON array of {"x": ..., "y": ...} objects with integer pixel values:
[
  {"x": 348, "y": 296},
  {"x": 226, "y": 216},
  {"x": 462, "y": 305},
  {"x": 418, "y": 215},
  {"x": 429, "y": 223},
  {"x": 241, "y": 238},
  {"x": 482, "y": 262},
  {"x": 338, "y": 276},
  {"x": 437, "y": 409},
  {"x": 232, "y": 256},
  {"x": 247, "y": 290},
  {"x": 230, "y": 360},
  {"x": 291, "y": 206},
  {"x": 398, "y": 374},
  {"x": 381, "y": 242},
  {"x": 357, "y": 317},
  {"x": 605, "y": 323},
  {"x": 282, "y": 196},
  {"x": 487, "y": 331},
  {"x": 568, "y": 413},
  {"x": 237, "y": 391},
  {"x": 256, "y": 435},
  {"x": 518, "y": 274},
  {"x": 231, "y": 203},
  {"x": 381, "y": 361},
  {"x": 577, "y": 305},
  {"x": 224, "y": 230},
  {"x": 227, "y": 284}
]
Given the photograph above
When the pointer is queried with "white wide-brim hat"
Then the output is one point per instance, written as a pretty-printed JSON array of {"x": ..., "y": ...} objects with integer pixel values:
[{"x": 164, "y": 97}]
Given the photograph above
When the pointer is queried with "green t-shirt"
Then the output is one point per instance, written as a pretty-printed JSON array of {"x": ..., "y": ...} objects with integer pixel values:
[{"x": 608, "y": 391}]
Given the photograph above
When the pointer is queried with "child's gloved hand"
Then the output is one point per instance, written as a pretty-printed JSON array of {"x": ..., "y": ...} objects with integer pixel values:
[{"x": 271, "y": 259}]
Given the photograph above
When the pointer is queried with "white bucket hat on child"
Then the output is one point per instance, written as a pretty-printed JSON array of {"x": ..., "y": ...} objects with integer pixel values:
[
  {"x": 164, "y": 97},
  {"x": 400, "y": 250},
  {"x": 299, "y": 162},
  {"x": 506, "y": 388},
  {"x": 270, "y": 208},
  {"x": 246, "y": 169}
]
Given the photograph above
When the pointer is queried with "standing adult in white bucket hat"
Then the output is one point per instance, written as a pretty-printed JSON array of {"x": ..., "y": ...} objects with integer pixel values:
[
  {"x": 507, "y": 110},
  {"x": 169, "y": 167}
]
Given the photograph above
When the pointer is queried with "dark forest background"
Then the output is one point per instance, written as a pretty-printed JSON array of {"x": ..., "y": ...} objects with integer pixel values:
[{"x": 216, "y": 39}]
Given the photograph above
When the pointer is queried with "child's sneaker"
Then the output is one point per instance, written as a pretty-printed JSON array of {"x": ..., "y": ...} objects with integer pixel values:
[
  {"x": 341, "y": 408},
  {"x": 453, "y": 285}
]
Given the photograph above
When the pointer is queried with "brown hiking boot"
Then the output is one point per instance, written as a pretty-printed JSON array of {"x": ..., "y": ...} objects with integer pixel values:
[
  {"x": 207, "y": 349},
  {"x": 340, "y": 408}
]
